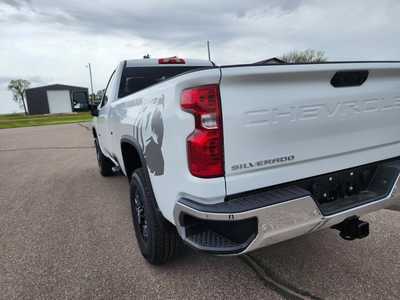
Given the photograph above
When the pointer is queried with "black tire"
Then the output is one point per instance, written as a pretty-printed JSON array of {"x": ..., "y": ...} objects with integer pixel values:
[
  {"x": 157, "y": 238},
  {"x": 105, "y": 164}
]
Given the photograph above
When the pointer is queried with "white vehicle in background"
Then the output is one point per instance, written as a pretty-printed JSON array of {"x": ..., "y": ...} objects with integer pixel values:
[{"x": 234, "y": 158}]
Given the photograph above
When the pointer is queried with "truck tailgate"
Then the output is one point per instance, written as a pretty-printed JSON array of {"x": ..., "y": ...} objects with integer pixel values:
[{"x": 287, "y": 122}]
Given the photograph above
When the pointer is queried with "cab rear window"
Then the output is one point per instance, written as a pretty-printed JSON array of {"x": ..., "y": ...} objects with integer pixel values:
[{"x": 134, "y": 79}]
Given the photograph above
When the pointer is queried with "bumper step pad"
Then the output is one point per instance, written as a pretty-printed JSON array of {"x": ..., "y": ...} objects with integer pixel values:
[{"x": 213, "y": 241}]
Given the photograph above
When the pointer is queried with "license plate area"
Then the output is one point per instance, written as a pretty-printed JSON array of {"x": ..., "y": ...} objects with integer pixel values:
[{"x": 349, "y": 188}]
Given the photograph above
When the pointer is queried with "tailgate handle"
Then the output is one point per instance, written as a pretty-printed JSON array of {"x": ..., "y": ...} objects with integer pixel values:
[{"x": 349, "y": 78}]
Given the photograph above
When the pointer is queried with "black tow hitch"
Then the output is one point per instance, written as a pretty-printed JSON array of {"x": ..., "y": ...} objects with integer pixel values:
[{"x": 352, "y": 228}]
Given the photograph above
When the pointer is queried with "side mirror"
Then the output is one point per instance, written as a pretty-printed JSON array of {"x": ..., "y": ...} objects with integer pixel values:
[{"x": 94, "y": 111}]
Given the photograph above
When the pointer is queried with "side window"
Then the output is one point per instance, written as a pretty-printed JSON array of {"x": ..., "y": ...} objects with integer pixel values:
[{"x": 107, "y": 92}]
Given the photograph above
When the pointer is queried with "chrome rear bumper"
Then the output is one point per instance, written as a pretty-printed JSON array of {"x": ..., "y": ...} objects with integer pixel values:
[{"x": 277, "y": 221}]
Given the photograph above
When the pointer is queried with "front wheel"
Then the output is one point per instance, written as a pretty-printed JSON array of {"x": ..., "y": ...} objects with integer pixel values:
[
  {"x": 157, "y": 238},
  {"x": 105, "y": 164}
]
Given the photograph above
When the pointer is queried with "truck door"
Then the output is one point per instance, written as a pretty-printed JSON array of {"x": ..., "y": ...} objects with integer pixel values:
[{"x": 103, "y": 118}]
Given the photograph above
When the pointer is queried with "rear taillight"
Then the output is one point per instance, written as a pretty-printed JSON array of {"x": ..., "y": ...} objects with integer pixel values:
[
  {"x": 171, "y": 60},
  {"x": 205, "y": 144}
]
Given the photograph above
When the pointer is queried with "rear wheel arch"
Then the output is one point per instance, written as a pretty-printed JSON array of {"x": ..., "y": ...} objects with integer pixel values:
[
  {"x": 132, "y": 156},
  {"x": 133, "y": 159}
]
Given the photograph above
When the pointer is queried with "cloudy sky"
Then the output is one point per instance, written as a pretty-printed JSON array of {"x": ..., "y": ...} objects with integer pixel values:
[{"x": 51, "y": 41}]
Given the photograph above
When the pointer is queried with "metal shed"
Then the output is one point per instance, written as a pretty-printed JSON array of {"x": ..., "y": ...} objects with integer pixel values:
[{"x": 56, "y": 98}]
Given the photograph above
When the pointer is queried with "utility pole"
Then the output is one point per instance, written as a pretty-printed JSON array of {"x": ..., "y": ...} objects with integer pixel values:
[
  {"x": 208, "y": 50},
  {"x": 91, "y": 81}
]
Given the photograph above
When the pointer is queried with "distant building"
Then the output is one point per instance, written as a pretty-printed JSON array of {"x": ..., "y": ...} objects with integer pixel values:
[
  {"x": 270, "y": 61},
  {"x": 56, "y": 98}
]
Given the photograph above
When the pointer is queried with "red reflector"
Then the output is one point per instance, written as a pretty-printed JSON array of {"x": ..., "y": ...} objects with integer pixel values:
[
  {"x": 171, "y": 60},
  {"x": 205, "y": 144}
]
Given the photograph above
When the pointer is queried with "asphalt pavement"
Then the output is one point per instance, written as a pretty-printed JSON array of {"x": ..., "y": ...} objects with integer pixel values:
[{"x": 66, "y": 233}]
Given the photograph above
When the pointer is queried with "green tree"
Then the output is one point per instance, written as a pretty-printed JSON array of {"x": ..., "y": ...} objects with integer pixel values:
[
  {"x": 306, "y": 56},
  {"x": 18, "y": 87}
]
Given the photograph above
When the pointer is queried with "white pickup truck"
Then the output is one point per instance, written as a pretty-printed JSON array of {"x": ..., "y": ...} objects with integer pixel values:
[{"x": 234, "y": 158}]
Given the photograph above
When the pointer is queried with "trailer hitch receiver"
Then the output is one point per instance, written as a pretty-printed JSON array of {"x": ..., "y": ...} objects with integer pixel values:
[{"x": 352, "y": 228}]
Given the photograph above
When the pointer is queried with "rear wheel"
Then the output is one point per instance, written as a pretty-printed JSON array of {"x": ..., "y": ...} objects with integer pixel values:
[
  {"x": 157, "y": 238},
  {"x": 105, "y": 164}
]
